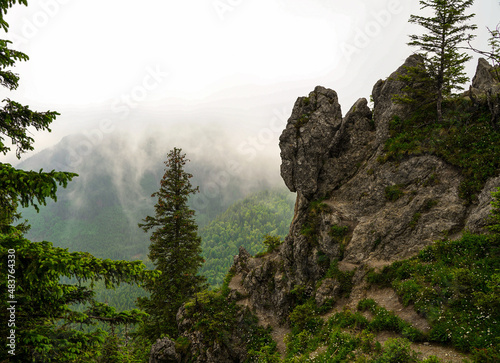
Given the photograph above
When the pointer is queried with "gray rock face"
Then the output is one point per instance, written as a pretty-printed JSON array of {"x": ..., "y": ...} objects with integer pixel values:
[
  {"x": 483, "y": 80},
  {"x": 478, "y": 215},
  {"x": 384, "y": 107},
  {"x": 389, "y": 228},
  {"x": 305, "y": 142},
  {"x": 163, "y": 351},
  {"x": 486, "y": 85},
  {"x": 390, "y": 210}
]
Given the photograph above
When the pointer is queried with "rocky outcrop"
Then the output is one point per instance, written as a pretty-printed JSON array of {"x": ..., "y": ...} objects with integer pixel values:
[
  {"x": 352, "y": 206},
  {"x": 383, "y": 92},
  {"x": 307, "y": 139},
  {"x": 200, "y": 348},
  {"x": 486, "y": 88},
  {"x": 163, "y": 351},
  {"x": 484, "y": 80},
  {"x": 207, "y": 349},
  {"x": 389, "y": 211}
]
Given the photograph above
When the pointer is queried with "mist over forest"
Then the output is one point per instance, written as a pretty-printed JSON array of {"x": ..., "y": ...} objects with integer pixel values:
[
  {"x": 149, "y": 150},
  {"x": 99, "y": 210}
]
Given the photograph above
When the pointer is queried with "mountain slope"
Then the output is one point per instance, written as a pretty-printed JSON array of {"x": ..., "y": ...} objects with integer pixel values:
[
  {"x": 370, "y": 194},
  {"x": 100, "y": 210},
  {"x": 244, "y": 224}
]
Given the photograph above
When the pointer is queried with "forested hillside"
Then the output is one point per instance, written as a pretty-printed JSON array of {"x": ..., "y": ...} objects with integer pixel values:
[
  {"x": 100, "y": 209},
  {"x": 245, "y": 224},
  {"x": 99, "y": 212}
]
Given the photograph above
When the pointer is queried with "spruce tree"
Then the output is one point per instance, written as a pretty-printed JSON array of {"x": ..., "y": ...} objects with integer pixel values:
[
  {"x": 447, "y": 29},
  {"x": 43, "y": 316},
  {"x": 175, "y": 249}
]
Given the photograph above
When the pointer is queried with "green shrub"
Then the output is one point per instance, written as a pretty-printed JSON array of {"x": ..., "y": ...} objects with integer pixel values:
[
  {"x": 341, "y": 346},
  {"x": 465, "y": 139},
  {"x": 348, "y": 319},
  {"x": 271, "y": 242},
  {"x": 393, "y": 192},
  {"x": 306, "y": 317},
  {"x": 408, "y": 289},
  {"x": 218, "y": 318},
  {"x": 344, "y": 278},
  {"x": 213, "y": 315},
  {"x": 301, "y": 343},
  {"x": 299, "y": 294},
  {"x": 397, "y": 351},
  {"x": 385, "y": 320}
]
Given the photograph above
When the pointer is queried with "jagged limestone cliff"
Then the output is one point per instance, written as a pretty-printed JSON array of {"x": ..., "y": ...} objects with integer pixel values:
[{"x": 352, "y": 207}]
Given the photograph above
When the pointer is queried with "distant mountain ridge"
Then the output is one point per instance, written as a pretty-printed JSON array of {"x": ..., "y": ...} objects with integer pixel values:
[{"x": 99, "y": 211}]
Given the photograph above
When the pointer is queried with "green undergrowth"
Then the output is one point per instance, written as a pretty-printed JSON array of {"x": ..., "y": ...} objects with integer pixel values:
[
  {"x": 466, "y": 139},
  {"x": 345, "y": 336},
  {"x": 455, "y": 285},
  {"x": 349, "y": 336},
  {"x": 219, "y": 319},
  {"x": 385, "y": 320},
  {"x": 344, "y": 278}
]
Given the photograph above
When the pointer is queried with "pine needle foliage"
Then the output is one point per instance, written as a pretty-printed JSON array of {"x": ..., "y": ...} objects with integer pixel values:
[
  {"x": 175, "y": 249},
  {"x": 41, "y": 319},
  {"x": 446, "y": 30}
]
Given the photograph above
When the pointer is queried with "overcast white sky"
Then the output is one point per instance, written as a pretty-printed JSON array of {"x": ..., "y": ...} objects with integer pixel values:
[{"x": 112, "y": 65}]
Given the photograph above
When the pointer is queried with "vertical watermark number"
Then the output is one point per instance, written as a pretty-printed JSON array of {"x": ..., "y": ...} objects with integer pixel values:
[{"x": 11, "y": 303}]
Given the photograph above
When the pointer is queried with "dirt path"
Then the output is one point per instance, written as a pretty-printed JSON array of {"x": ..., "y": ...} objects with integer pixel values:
[{"x": 388, "y": 299}]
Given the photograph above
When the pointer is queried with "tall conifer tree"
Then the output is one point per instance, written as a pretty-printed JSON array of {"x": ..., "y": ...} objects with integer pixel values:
[
  {"x": 39, "y": 320},
  {"x": 175, "y": 249},
  {"x": 447, "y": 29}
]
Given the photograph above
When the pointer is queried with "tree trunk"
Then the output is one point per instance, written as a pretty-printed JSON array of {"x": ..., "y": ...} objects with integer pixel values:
[{"x": 439, "y": 103}]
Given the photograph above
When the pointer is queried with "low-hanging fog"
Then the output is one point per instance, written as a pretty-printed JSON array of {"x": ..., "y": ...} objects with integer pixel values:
[
  {"x": 216, "y": 78},
  {"x": 131, "y": 68},
  {"x": 119, "y": 171}
]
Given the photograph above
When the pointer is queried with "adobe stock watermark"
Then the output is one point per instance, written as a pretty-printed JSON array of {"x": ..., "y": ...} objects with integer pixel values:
[
  {"x": 222, "y": 7},
  {"x": 11, "y": 302},
  {"x": 378, "y": 21},
  {"x": 249, "y": 150},
  {"x": 32, "y": 25},
  {"x": 121, "y": 107}
]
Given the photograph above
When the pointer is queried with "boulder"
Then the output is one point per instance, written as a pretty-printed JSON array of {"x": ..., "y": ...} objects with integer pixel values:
[{"x": 163, "y": 351}]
